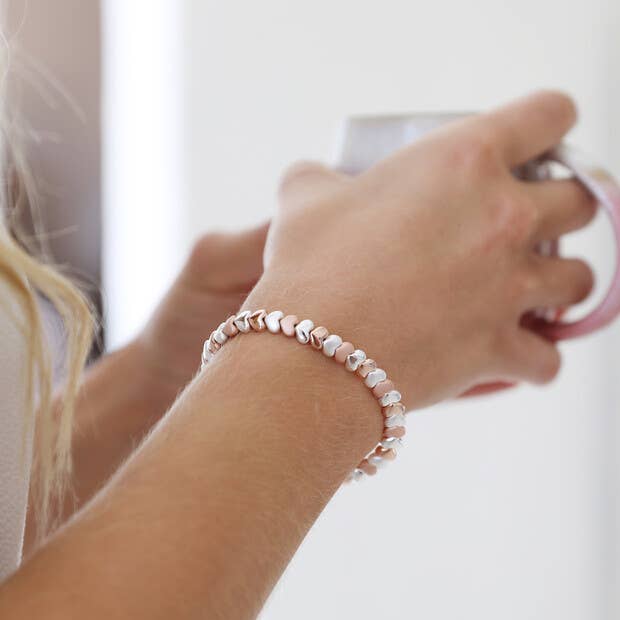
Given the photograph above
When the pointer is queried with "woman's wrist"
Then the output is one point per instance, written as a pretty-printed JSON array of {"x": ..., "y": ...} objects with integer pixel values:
[{"x": 309, "y": 403}]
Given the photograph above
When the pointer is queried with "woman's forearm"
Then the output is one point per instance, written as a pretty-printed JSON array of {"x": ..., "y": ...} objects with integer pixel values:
[{"x": 203, "y": 519}]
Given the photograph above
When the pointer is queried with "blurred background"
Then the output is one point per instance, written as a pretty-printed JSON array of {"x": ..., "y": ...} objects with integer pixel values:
[{"x": 154, "y": 121}]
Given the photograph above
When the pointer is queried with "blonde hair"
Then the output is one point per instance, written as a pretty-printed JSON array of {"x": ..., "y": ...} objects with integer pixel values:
[{"x": 30, "y": 279}]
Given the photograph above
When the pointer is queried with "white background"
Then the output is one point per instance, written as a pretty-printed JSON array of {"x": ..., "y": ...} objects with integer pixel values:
[{"x": 502, "y": 507}]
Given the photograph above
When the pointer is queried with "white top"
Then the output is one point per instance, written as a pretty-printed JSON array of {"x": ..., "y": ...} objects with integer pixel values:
[{"x": 15, "y": 449}]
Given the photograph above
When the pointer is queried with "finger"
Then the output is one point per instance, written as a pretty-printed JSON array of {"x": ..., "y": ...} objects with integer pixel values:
[
  {"x": 532, "y": 358},
  {"x": 306, "y": 181},
  {"x": 558, "y": 282},
  {"x": 564, "y": 206},
  {"x": 528, "y": 127},
  {"x": 228, "y": 262}
]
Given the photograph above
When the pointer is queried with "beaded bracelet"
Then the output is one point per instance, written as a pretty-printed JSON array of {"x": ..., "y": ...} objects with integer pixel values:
[{"x": 331, "y": 345}]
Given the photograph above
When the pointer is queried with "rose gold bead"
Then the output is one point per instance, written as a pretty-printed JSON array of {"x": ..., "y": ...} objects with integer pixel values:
[
  {"x": 343, "y": 351},
  {"x": 367, "y": 468},
  {"x": 396, "y": 431},
  {"x": 381, "y": 388},
  {"x": 394, "y": 409},
  {"x": 388, "y": 455},
  {"x": 287, "y": 324},
  {"x": 317, "y": 336},
  {"x": 229, "y": 327},
  {"x": 257, "y": 320},
  {"x": 365, "y": 367}
]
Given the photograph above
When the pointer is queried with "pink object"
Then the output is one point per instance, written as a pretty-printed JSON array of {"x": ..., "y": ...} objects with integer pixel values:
[
  {"x": 287, "y": 324},
  {"x": 389, "y": 455},
  {"x": 395, "y": 431},
  {"x": 345, "y": 349},
  {"x": 607, "y": 192},
  {"x": 394, "y": 409},
  {"x": 368, "y": 468},
  {"x": 382, "y": 388},
  {"x": 229, "y": 327},
  {"x": 365, "y": 367}
]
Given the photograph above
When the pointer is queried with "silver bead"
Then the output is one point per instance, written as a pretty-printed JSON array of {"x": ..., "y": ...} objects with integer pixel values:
[
  {"x": 207, "y": 353},
  {"x": 242, "y": 322},
  {"x": 330, "y": 344},
  {"x": 395, "y": 420},
  {"x": 219, "y": 336},
  {"x": 272, "y": 321},
  {"x": 302, "y": 331},
  {"x": 356, "y": 474},
  {"x": 389, "y": 398},
  {"x": 391, "y": 443},
  {"x": 354, "y": 360},
  {"x": 377, "y": 461},
  {"x": 374, "y": 377}
]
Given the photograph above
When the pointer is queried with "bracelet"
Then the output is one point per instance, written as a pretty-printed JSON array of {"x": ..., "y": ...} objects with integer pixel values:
[{"x": 332, "y": 345}]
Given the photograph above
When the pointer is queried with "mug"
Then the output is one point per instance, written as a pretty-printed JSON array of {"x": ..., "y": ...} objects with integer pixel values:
[{"x": 364, "y": 141}]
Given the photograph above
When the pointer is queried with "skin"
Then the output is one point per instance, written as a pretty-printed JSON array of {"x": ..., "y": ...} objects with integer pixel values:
[{"x": 427, "y": 261}]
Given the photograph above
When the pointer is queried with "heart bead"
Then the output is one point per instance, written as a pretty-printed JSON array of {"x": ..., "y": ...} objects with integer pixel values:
[
  {"x": 272, "y": 321},
  {"x": 318, "y": 336},
  {"x": 257, "y": 320},
  {"x": 242, "y": 321},
  {"x": 394, "y": 421},
  {"x": 330, "y": 344},
  {"x": 302, "y": 331},
  {"x": 374, "y": 377},
  {"x": 354, "y": 360},
  {"x": 389, "y": 398}
]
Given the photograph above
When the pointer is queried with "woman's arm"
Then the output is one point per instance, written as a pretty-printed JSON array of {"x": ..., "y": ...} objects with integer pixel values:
[
  {"x": 428, "y": 263},
  {"x": 127, "y": 391},
  {"x": 203, "y": 519}
]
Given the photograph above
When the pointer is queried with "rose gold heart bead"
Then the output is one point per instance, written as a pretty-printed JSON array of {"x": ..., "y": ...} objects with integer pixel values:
[
  {"x": 287, "y": 324},
  {"x": 343, "y": 351},
  {"x": 229, "y": 327},
  {"x": 365, "y": 367},
  {"x": 317, "y": 337},
  {"x": 381, "y": 388},
  {"x": 257, "y": 320}
]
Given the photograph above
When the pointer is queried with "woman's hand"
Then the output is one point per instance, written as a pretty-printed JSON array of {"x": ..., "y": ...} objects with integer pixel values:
[
  {"x": 427, "y": 261},
  {"x": 219, "y": 273}
]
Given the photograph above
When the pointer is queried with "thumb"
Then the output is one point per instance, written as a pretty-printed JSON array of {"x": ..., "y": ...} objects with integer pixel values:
[{"x": 227, "y": 262}]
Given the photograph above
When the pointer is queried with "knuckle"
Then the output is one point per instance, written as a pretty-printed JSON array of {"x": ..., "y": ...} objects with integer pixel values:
[
  {"x": 526, "y": 284},
  {"x": 513, "y": 220},
  {"x": 476, "y": 152}
]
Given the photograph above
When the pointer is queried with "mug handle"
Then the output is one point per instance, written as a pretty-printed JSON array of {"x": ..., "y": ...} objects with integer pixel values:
[{"x": 607, "y": 192}]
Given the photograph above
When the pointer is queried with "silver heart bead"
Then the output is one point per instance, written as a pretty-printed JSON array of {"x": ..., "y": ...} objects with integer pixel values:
[
  {"x": 242, "y": 322},
  {"x": 302, "y": 331},
  {"x": 219, "y": 335},
  {"x": 272, "y": 321},
  {"x": 391, "y": 443},
  {"x": 354, "y": 360},
  {"x": 389, "y": 398},
  {"x": 207, "y": 353},
  {"x": 394, "y": 420},
  {"x": 377, "y": 461},
  {"x": 374, "y": 377},
  {"x": 330, "y": 344},
  {"x": 356, "y": 474}
]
